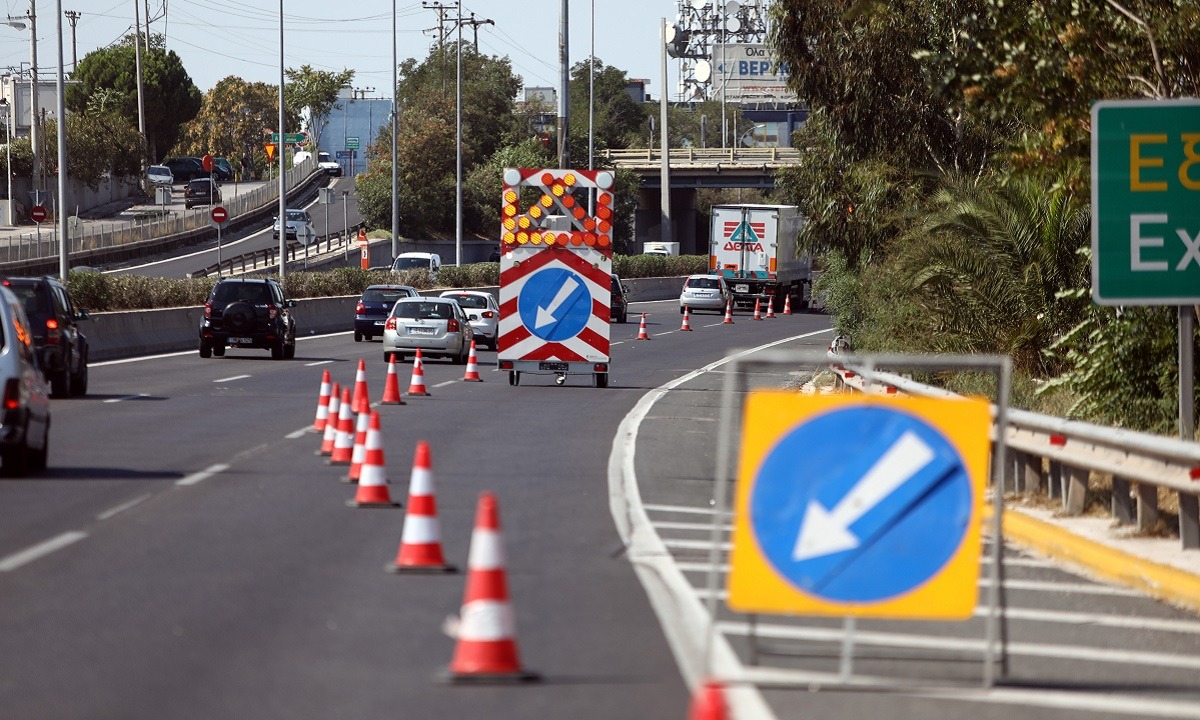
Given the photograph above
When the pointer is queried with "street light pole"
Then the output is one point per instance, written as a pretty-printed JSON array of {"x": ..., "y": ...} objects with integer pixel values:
[
  {"x": 564, "y": 100},
  {"x": 458, "y": 195},
  {"x": 60, "y": 109},
  {"x": 592, "y": 110},
  {"x": 395, "y": 142},
  {"x": 137, "y": 56},
  {"x": 8, "y": 118},
  {"x": 282, "y": 168}
]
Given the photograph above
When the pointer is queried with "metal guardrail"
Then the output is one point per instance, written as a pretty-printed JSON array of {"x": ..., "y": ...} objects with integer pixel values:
[
  {"x": 268, "y": 257},
  {"x": 706, "y": 156},
  {"x": 1059, "y": 456},
  {"x": 97, "y": 236}
]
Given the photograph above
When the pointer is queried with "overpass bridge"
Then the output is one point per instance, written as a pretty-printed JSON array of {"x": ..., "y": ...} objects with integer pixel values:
[{"x": 692, "y": 169}]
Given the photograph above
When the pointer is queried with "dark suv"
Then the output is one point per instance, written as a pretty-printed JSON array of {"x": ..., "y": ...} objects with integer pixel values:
[
  {"x": 61, "y": 347},
  {"x": 202, "y": 191},
  {"x": 185, "y": 169},
  {"x": 248, "y": 313},
  {"x": 619, "y": 305}
]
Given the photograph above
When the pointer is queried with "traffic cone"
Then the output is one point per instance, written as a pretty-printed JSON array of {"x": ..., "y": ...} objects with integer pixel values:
[
  {"x": 372, "y": 481},
  {"x": 757, "y": 310},
  {"x": 421, "y": 541},
  {"x": 391, "y": 389},
  {"x": 642, "y": 330},
  {"x": 686, "y": 326},
  {"x": 771, "y": 309},
  {"x": 787, "y": 304},
  {"x": 472, "y": 373},
  {"x": 343, "y": 445},
  {"x": 416, "y": 386},
  {"x": 322, "y": 403},
  {"x": 708, "y": 702},
  {"x": 330, "y": 437},
  {"x": 360, "y": 446},
  {"x": 361, "y": 395},
  {"x": 487, "y": 645},
  {"x": 728, "y": 313}
]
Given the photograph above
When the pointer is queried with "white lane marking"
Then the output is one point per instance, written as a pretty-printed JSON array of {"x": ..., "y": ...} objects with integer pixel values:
[
  {"x": 202, "y": 475},
  {"x": 1086, "y": 653},
  {"x": 684, "y": 620},
  {"x": 298, "y": 433},
  {"x": 123, "y": 507},
  {"x": 184, "y": 353},
  {"x": 682, "y": 509},
  {"x": 1079, "y": 588},
  {"x": 319, "y": 362},
  {"x": 127, "y": 397},
  {"x": 716, "y": 324},
  {"x": 665, "y": 333},
  {"x": 28, "y": 555},
  {"x": 444, "y": 384},
  {"x": 619, "y": 342},
  {"x": 1190, "y": 627},
  {"x": 231, "y": 379}
]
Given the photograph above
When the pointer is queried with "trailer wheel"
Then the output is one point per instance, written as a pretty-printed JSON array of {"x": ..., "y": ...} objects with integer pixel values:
[
  {"x": 601, "y": 380},
  {"x": 514, "y": 377}
]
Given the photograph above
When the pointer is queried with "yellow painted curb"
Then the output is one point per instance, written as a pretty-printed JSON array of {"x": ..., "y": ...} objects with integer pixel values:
[{"x": 1156, "y": 580}]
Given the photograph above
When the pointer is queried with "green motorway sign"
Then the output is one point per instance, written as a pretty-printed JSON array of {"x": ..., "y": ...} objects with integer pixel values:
[
  {"x": 1146, "y": 202},
  {"x": 352, "y": 143},
  {"x": 289, "y": 137}
]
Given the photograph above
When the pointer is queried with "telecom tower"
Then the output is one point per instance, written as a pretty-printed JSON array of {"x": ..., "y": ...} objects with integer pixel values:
[{"x": 702, "y": 27}]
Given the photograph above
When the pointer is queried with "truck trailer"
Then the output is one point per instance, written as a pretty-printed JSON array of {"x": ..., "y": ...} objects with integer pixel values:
[{"x": 754, "y": 248}]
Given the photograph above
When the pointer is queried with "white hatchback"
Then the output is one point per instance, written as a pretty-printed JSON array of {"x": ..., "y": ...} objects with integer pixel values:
[
  {"x": 704, "y": 292},
  {"x": 436, "y": 326},
  {"x": 482, "y": 312}
]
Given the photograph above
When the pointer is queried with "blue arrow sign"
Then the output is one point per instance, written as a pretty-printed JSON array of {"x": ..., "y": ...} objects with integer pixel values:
[
  {"x": 555, "y": 304},
  {"x": 861, "y": 504}
]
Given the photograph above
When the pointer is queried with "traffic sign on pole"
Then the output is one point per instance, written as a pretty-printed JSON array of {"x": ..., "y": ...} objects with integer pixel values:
[
  {"x": 290, "y": 137},
  {"x": 207, "y": 162},
  {"x": 219, "y": 215},
  {"x": 37, "y": 213},
  {"x": 352, "y": 143},
  {"x": 859, "y": 505},
  {"x": 1146, "y": 202}
]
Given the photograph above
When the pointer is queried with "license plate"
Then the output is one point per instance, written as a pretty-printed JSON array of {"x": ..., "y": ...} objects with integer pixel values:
[
  {"x": 420, "y": 331},
  {"x": 240, "y": 341},
  {"x": 553, "y": 366},
  {"x": 741, "y": 288}
]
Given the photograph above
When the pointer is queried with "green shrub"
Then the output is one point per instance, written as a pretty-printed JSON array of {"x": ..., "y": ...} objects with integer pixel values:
[{"x": 644, "y": 266}]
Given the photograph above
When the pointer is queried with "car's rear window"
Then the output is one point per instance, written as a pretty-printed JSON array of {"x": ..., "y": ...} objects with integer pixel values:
[
  {"x": 255, "y": 293},
  {"x": 388, "y": 296},
  {"x": 36, "y": 304},
  {"x": 704, "y": 283},
  {"x": 294, "y": 215},
  {"x": 475, "y": 302},
  {"x": 200, "y": 184},
  {"x": 423, "y": 311}
]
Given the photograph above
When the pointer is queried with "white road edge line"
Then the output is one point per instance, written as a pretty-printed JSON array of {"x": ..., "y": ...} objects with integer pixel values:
[
  {"x": 683, "y": 618},
  {"x": 298, "y": 433},
  {"x": 42, "y": 549},
  {"x": 444, "y": 384},
  {"x": 123, "y": 507},
  {"x": 231, "y": 379},
  {"x": 183, "y": 353},
  {"x": 127, "y": 397},
  {"x": 202, "y": 475},
  {"x": 319, "y": 362}
]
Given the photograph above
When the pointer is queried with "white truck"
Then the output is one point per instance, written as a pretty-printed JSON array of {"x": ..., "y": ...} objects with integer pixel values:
[
  {"x": 660, "y": 248},
  {"x": 754, "y": 248},
  {"x": 417, "y": 261}
]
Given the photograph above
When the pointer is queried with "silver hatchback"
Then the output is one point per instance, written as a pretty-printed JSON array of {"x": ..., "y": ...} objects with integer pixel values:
[
  {"x": 703, "y": 292},
  {"x": 25, "y": 412},
  {"x": 482, "y": 312},
  {"x": 436, "y": 326}
]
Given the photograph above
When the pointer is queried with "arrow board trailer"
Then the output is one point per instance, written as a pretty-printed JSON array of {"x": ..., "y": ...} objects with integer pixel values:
[
  {"x": 754, "y": 248},
  {"x": 555, "y": 274}
]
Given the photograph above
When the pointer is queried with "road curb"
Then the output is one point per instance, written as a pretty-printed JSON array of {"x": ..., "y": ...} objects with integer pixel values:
[{"x": 1159, "y": 581}]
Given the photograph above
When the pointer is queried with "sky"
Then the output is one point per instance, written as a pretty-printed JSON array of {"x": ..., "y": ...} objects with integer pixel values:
[{"x": 218, "y": 38}]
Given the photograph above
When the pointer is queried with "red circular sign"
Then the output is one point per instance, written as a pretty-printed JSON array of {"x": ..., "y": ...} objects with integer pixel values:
[
  {"x": 207, "y": 163},
  {"x": 219, "y": 215},
  {"x": 37, "y": 213}
]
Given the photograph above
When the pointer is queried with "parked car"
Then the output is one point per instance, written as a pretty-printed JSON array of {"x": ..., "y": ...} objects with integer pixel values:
[
  {"x": 482, "y": 312},
  {"x": 25, "y": 413},
  {"x": 704, "y": 292},
  {"x": 619, "y": 305},
  {"x": 373, "y": 308},
  {"x": 202, "y": 191},
  {"x": 296, "y": 219},
  {"x": 185, "y": 169},
  {"x": 438, "y": 326},
  {"x": 222, "y": 170},
  {"x": 160, "y": 175},
  {"x": 248, "y": 313},
  {"x": 62, "y": 348}
]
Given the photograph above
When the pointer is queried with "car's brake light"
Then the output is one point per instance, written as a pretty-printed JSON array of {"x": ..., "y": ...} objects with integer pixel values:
[
  {"x": 390, "y": 324},
  {"x": 452, "y": 325},
  {"x": 208, "y": 309},
  {"x": 12, "y": 394},
  {"x": 52, "y": 333},
  {"x": 360, "y": 309},
  {"x": 488, "y": 313}
]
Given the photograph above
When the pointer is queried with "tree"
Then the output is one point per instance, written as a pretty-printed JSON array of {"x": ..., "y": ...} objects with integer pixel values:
[
  {"x": 232, "y": 119},
  {"x": 99, "y": 144},
  {"x": 618, "y": 118},
  {"x": 170, "y": 97},
  {"x": 316, "y": 90}
]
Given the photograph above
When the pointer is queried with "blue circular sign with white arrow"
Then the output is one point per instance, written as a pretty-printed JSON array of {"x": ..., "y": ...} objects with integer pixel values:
[
  {"x": 555, "y": 304},
  {"x": 861, "y": 504}
]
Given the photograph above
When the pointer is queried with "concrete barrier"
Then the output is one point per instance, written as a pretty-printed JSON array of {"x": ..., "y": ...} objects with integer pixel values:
[{"x": 129, "y": 333}]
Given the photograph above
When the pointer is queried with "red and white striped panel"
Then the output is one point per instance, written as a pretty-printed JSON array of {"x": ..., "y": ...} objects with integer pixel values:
[
  {"x": 517, "y": 342},
  {"x": 759, "y": 228}
]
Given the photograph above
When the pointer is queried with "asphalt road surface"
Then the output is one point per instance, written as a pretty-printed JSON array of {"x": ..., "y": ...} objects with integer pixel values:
[{"x": 188, "y": 556}]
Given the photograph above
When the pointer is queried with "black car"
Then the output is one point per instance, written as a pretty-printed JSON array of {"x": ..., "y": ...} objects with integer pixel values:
[
  {"x": 373, "y": 309},
  {"x": 25, "y": 411},
  {"x": 248, "y": 313},
  {"x": 185, "y": 169},
  {"x": 201, "y": 192},
  {"x": 619, "y": 305},
  {"x": 222, "y": 170},
  {"x": 62, "y": 347}
]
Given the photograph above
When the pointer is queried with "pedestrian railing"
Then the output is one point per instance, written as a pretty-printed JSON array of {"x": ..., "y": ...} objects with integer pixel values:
[
  {"x": 1063, "y": 458},
  {"x": 265, "y": 259},
  {"x": 705, "y": 156}
]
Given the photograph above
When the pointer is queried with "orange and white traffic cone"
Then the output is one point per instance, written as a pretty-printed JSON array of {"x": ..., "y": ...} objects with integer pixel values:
[
  {"x": 323, "y": 403},
  {"x": 391, "y": 388},
  {"x": 708, "y": 702},
  {"x": 421, "y": 541},
  {"x": 757, "y": 310},
  {"x": 372, "y": 481},
  {"x": 343, "y": 445},
  {"x": 360, "y": 446},
  {"x": 330, "y": 437},
  {"x": 686, "y": 325},
  {"x": 361, "y": 395},
  {"x": 487, "y": 645},
  {"x": 771, "y": 309},
  {"x": 642, "y": 335},
  {"x": 787, "y": 304},
  {"x": 728, "y": 313},
  {"x": 416, "y": 386},
  {"x": 472, "y": 373}
]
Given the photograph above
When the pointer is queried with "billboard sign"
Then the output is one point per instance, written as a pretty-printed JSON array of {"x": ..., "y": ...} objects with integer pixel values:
[{"x": 749, "y": 74}]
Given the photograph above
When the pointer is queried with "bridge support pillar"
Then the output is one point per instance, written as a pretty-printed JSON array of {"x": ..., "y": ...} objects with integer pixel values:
[{"x": 684, "y": 221}]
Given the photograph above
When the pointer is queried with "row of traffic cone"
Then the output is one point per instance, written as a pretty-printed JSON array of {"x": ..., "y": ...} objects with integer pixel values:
[{"x": 327, "y": 396}]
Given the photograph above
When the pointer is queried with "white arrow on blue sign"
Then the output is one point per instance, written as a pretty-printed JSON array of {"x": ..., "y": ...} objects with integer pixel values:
[{"x": 555, "y": 304}]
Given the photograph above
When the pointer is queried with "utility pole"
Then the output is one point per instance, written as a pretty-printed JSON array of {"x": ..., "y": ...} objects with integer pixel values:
[
  {"x": 73, "y": 17},
  {"x": 564, "y": 100},
  {"x": 441, "y": 10},
  {"x": 475, "y": 28},
  {"x": 147, "y": 49},
  {"x": 137, "y": 56},
  {"x": 35, "y": 131}
]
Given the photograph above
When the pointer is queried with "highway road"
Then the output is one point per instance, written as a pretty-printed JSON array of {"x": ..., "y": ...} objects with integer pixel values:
[{"x": 188, "y": 556}]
